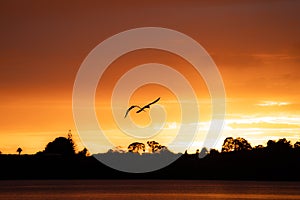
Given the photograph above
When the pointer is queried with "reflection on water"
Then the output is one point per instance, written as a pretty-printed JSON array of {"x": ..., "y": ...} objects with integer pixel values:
[{"x": 146, "y": 189}]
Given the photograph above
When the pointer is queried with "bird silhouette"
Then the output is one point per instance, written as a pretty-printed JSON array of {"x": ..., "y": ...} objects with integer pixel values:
[
  {"x": 130, "y": 108},
  {"x": 148, "y": 105},
  {"x": 141, "y": 108}
]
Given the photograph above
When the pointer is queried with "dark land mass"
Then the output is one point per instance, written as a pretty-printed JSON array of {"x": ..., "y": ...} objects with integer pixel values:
[
  {"x": 250, "y": 165},
  {"x": 279, "y": 161}
]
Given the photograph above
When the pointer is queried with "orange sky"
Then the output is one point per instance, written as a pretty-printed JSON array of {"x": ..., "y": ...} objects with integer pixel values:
[{"x": 255, "y": 45}]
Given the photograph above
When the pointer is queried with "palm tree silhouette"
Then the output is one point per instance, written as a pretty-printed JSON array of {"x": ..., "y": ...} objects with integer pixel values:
[{"x": 19, "y": 150}]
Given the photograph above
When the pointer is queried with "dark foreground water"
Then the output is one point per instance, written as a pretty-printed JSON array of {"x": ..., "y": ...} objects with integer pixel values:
[{"x": 146, "y": 189}]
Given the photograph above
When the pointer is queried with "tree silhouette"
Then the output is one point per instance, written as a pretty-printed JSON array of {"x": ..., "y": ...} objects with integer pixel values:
[
  {"x": 19, "y": 150},
  {"x": 136, "y": 147},
  {"x": 117, "y": 149},
  {"x": 202, "y": 153},
  {"x": 155, "y": 146},
  {"x": 279, "y": 160},
  {"x": 228, "y": 145},
  {"x": 61, "y": 146},
  {"x": 84, "y": 152},
  {"x": 271, "y": 144},
  {"x": 281, "y": 146},
  {"x": 259, "y": 147},
  {"x": 238, "y": 144},
  {"x": 241, "y": 144},
  {"x": 297, "y": 145},
  {"x": 213, "y": 152},
  {"x": 284, "y": 144}
]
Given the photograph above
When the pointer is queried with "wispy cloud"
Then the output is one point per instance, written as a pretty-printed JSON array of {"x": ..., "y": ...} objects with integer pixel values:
[
  {"x": 270, "y": 56},
  {"x": 261, "y": 125},
  {"x": 295, "y": 120},
  {"x": 272, "y": 103}
]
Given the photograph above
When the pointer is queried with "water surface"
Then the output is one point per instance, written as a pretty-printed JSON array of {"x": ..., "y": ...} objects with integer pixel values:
[{"x": 146, "y": 189}]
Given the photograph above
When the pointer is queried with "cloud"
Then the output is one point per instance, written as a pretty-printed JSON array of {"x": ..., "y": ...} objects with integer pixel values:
[
  {"x": 272, "y": 103},
  {"x": 263, "y": 125},
  {"x": 171, "y": 125},
  {"x": 295, "y": 119}
]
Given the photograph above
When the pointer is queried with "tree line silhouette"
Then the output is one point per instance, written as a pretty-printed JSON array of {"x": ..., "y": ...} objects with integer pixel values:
[{"x": 278, "y": 160}]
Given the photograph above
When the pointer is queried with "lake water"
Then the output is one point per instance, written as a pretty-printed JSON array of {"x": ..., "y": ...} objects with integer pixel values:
[{"x": 146, "y": 189}]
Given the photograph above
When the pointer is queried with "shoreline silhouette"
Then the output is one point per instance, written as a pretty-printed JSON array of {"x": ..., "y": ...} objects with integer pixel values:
[{"x": 278, "y": 161}]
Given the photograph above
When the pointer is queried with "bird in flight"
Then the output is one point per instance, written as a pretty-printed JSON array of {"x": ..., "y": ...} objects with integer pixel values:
[{"x": 141, "y": 108}]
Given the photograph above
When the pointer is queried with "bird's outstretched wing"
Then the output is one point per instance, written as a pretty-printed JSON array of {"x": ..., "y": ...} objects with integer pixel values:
[
  {"x": 153, "y": 101},
  {"x": 130, "y": 108}
]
